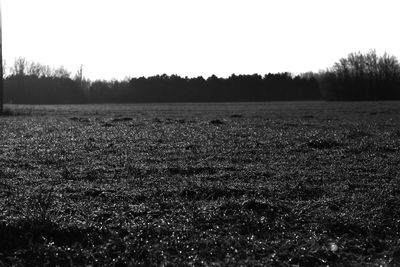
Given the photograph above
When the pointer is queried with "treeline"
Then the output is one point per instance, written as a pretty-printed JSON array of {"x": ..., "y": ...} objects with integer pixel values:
[
  {"x": 164, "y": 88},
  {"x": 33, "y": 83},
  {"x": 357, "y": 77},
  {"x": 362, "y": 77}
]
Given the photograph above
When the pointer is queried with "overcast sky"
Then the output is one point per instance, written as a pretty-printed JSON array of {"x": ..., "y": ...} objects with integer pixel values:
[{"x": 122, "y": 38}]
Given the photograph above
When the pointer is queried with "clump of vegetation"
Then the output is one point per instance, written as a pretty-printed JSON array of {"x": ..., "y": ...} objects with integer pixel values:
[
  {"x": 15, "y": 111},
  {"x": 216, "y": 122},
  {"x": 322, "y": 143},
  {"x": 236, "y": 116},
  {"x": 124, "y": 119},
  {"x": 6, "y": 112},
  {"x": 40, "y": 203},
  {"x": 358, "y": 134}
]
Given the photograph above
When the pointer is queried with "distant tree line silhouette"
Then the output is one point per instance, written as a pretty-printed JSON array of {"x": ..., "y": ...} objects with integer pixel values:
[
  {"x": 357, "y": 77},
  {"x": 33, "y": 83},
  {"x": 362, "y": 77},
  {"x": 164, "y": 88}
]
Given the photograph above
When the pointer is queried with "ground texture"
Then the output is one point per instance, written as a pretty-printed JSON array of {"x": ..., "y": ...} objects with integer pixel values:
[{"x": 278, "y": 184}]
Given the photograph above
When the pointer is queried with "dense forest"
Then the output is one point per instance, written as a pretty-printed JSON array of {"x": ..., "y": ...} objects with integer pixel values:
[{"x": 357, "y": 77}]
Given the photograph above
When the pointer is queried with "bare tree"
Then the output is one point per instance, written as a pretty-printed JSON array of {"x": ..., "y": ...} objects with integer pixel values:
[
  {"x": 79, "y": 75},
  {"x": 62, "y": 73},
  {"x": 39, "y": 70},
  {"x": 362, "y": 76},
  {"x": 20, "y": 68}
]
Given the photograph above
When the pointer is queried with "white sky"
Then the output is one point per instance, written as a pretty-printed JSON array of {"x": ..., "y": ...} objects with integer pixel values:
[{"x": 120, "y": 38}]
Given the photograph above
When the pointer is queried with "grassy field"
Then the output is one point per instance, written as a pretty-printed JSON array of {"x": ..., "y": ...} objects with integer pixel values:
[{"x": 279, "y": 184}]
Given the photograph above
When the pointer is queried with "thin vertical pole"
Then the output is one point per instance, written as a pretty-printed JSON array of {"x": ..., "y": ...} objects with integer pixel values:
[{"x": 1, "y": 65}]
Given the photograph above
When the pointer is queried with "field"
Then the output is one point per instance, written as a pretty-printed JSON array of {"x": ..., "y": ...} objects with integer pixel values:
[{"x": 276, "y": 184}]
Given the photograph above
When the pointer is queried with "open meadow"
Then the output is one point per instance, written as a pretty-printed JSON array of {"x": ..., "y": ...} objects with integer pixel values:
[{"x": 216, "y": 184}]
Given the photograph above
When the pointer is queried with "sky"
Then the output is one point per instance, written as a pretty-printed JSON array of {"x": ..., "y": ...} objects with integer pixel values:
[{"x": 116, "y": 39}]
